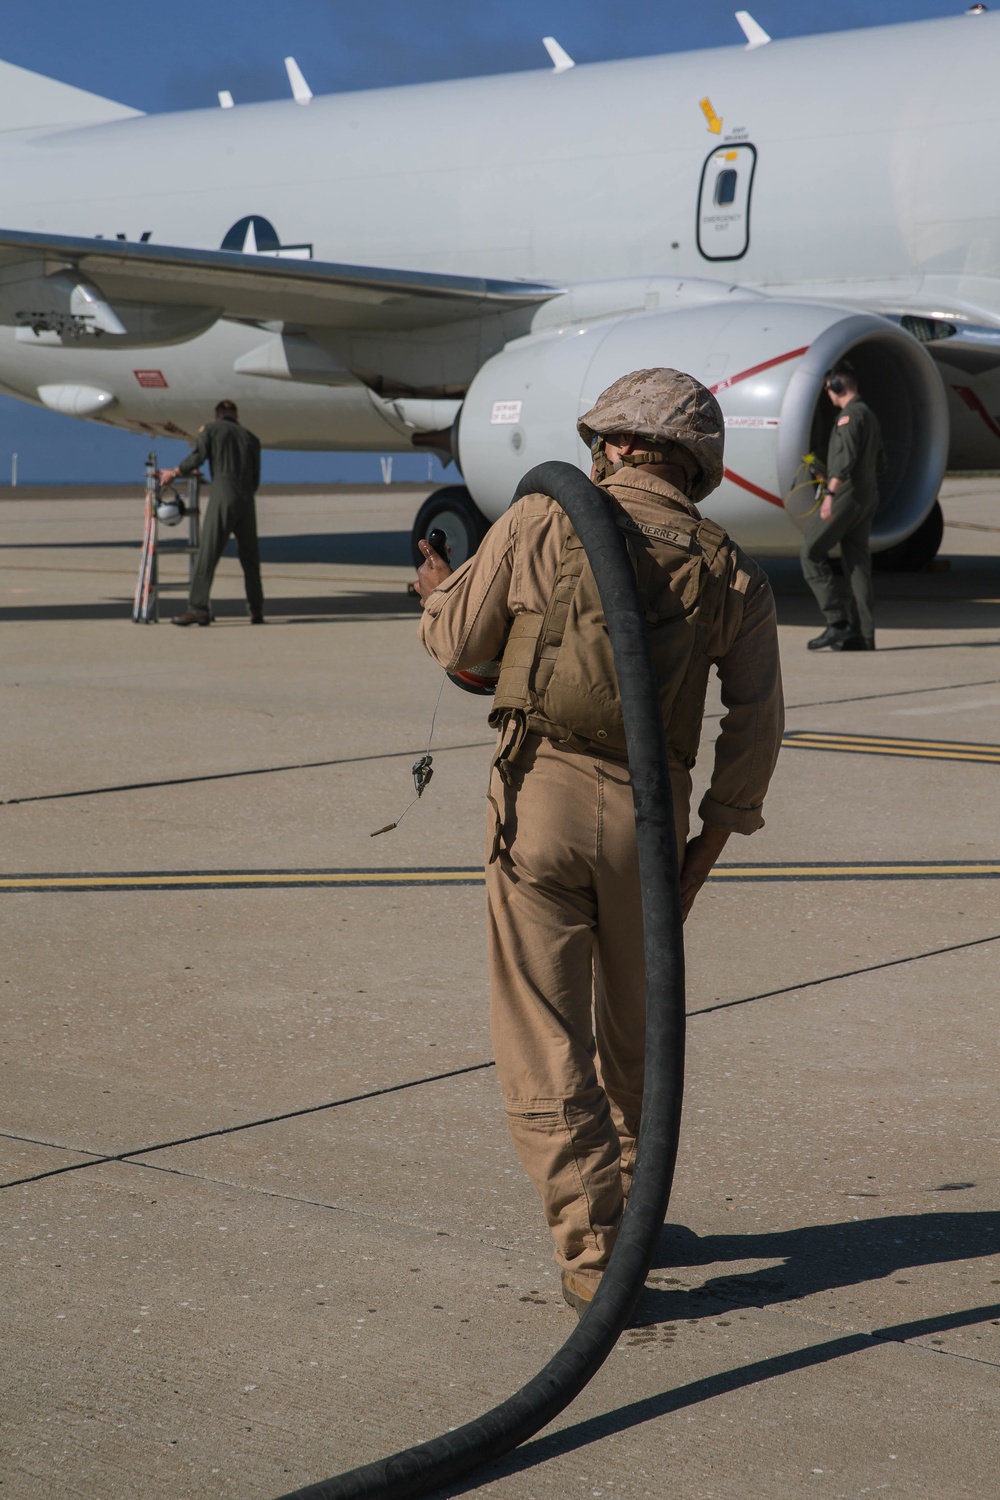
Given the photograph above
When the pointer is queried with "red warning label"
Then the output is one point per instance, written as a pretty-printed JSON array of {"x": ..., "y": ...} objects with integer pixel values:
[{"x": 150, "y": 377}]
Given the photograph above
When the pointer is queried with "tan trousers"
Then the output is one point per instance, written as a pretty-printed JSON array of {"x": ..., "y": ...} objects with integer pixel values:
[{"x": 568, "y": 983}]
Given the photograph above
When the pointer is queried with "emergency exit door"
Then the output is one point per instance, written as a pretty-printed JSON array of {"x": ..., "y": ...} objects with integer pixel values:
[{"x": 724, "y": 202}]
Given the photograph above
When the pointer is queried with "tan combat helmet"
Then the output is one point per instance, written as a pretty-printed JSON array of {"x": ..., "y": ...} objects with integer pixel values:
[{"x": 670, "y": 410}]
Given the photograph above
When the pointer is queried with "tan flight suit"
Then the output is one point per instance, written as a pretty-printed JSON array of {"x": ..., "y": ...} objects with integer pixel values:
[{"x": 565, "y": 919}]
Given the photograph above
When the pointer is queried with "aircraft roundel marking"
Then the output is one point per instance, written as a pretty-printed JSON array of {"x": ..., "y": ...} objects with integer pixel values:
[
  {"x": 255, "y": 235},
  {"x": 252, "y": 234}
]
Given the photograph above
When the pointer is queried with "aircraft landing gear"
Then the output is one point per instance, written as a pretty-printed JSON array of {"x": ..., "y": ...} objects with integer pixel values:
[{"x": 453, "y": 510}]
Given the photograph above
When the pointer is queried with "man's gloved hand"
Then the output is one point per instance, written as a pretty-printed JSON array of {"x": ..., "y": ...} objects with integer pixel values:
[
  {"x": 700, "y": 855},
  {"x": 432, "y": 571}
]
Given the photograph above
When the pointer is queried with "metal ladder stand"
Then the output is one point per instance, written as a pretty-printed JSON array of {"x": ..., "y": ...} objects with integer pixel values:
[{"x": 146, "y": 605}]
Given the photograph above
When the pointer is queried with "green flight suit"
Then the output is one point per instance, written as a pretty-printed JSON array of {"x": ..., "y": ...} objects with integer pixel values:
[
  {"x": 854, "y": 457},
  {"x": 233, "y": 454}
]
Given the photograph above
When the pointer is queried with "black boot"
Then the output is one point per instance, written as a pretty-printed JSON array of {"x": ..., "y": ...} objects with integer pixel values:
[{"x": 832, "y": 636}]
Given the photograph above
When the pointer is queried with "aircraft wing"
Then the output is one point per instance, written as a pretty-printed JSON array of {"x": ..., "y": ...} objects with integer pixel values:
[{"x": 258, "y": 288}]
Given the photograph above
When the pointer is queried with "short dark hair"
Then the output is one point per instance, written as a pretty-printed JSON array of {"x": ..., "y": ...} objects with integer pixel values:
[
  {"x": 227, "y": 409},
  {"x": 843, "y": 371}
]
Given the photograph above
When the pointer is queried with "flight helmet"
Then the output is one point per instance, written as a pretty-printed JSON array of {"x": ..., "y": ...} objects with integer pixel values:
[{"x": 170, "y": 507}]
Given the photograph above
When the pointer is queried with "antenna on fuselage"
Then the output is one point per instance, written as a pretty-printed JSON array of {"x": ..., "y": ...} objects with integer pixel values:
[
  {"x": 755, "y": 34},
  {"x": 301, "y": 92},
  {"x": 225, "y": 99},
  {"x": 561, "y": 60}
]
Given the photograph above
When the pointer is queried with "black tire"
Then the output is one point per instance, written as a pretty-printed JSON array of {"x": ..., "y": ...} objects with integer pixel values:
[
  {"x": 454, "y": 511},
  {"x": 917, "y": 551}
]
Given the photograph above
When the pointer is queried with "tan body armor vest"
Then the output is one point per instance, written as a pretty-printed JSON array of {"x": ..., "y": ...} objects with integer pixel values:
[{"x": 557, "y": 677}]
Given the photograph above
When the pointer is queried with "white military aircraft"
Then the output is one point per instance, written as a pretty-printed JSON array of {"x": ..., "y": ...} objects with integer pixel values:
[{"x": 465, "y": 265}]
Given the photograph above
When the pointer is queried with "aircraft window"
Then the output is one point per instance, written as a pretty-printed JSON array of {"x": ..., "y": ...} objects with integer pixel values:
[{"x": 725, "y": 186}]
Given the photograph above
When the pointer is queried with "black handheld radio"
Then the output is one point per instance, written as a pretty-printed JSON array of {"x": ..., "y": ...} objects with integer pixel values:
[{"x": 438, "y": 541}]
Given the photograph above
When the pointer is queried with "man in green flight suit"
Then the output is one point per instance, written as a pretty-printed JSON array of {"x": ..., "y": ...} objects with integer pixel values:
[
  {"x": 849, "y": 504},
  {"x": 234, "y": 455}
]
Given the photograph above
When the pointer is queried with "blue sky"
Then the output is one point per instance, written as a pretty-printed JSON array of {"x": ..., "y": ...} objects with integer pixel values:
[{"x": 161, "y": 58}]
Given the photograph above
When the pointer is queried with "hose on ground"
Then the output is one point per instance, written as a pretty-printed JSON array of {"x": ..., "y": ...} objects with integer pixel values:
[{"x": 427, "y": 1466}]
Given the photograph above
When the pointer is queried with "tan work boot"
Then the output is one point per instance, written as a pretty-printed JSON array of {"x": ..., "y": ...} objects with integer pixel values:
[{"x": 578, "y": 1288}]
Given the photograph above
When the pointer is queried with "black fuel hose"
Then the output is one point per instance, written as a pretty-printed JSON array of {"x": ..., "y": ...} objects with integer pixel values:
[{"x": 441, "y": 1461}]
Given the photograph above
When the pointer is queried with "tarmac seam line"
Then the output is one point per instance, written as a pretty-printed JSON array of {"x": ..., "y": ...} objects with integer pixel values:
[
  {"x": 395, "y": 1088},
  {"x": 626, "y": 1418},
  {"x": 312, "y": 765},
  {"x": 334, "y": 1208},
  {"x": 305, "y": 765},
  {"x": 791, "y": 1312},
  {"x": 947, "y": 687},
  {"x": 205, "y": 1135},
  {"x": 809, "y": 984}
]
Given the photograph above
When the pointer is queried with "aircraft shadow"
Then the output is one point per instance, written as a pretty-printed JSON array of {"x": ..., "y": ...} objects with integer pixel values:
[
  {"x": 291, "y": 611},
  {"x": 816, "y": 1258},
  {"x": 906, "y": 601},
  {"x": 68, "y": 546},
  {"x": 359, "y": 549}
]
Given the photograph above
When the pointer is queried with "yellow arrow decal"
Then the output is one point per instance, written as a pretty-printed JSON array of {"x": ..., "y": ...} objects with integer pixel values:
[{"x": 714, "y": 123}]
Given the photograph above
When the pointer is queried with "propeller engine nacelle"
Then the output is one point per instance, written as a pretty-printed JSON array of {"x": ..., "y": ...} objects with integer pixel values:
[{"x": 765, "y": 359}]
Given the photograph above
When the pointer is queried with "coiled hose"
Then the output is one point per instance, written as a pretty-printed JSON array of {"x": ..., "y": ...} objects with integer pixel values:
[{"x": 441, "y": 1461}]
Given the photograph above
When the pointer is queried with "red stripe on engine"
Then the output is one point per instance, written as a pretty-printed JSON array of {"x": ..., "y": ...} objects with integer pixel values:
[
  {"x": 754, "y": 489},
  {"x": 974, "y": 404},
  {"x": 723, "y": 385}
]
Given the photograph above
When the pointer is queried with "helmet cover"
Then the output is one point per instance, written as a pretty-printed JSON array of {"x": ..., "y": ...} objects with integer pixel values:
[{"x": 664, "y": 407}]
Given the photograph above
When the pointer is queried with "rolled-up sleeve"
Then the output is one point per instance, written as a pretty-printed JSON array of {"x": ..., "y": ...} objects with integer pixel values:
[
  {"x": 466, "y": 620},
  {"x": 746, "y": 749}
]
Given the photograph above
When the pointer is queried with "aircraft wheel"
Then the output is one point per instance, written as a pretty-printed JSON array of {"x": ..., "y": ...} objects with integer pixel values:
[
  {"x": 454, "y": 512},
  {"x": 917, "y": 551}
]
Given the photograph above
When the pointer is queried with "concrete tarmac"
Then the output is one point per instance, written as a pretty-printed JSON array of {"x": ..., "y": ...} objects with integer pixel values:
[{"x": 261, "y": 1219}]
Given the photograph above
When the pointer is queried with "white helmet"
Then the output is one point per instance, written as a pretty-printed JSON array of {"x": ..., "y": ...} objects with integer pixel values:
[{"x": 170, "y": 508}]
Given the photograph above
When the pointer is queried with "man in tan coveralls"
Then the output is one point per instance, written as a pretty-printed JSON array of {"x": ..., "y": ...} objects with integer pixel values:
[{"x": 565, "y": 920}]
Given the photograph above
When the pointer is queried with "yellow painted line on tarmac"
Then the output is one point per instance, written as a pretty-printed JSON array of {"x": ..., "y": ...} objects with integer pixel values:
[
  {"x": 921, "y": 870},
  {"x": 887, "y": 744},
  {"x": 226, "y": 879},
  {"x": 291, "y": 879}
]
